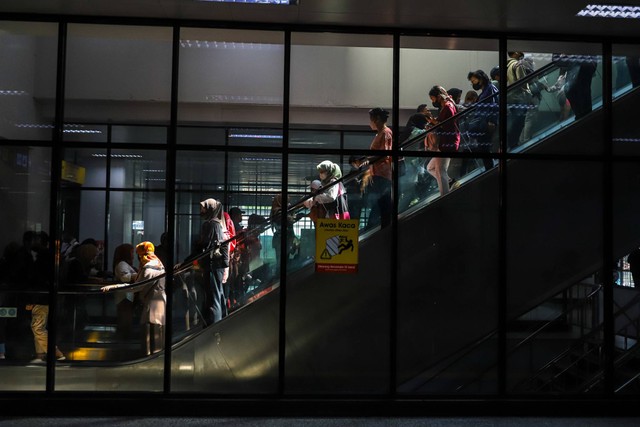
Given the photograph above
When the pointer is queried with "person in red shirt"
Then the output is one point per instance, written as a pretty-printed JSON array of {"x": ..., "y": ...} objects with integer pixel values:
[
  {"x": 379, "y": 178},
  {"x": 448, "y": 136}
]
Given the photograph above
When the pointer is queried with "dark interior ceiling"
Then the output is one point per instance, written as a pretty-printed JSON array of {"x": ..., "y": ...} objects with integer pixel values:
[{"x": 513, "y": 16}]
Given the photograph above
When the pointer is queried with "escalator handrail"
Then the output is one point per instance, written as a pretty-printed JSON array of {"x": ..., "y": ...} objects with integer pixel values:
[
  {"x": 468, "y": 349},
  {"x": 480, "y": 103}
]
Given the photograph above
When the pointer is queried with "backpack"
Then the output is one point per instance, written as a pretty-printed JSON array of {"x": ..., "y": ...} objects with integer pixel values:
[{"x": 522, "y": 68}]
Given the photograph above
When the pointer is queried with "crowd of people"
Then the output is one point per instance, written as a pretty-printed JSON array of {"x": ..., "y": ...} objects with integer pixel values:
[{"x": 234, "y": 265}]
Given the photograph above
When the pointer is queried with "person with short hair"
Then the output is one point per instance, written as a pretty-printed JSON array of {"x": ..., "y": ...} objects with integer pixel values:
[{"x": 236, "y": 216}]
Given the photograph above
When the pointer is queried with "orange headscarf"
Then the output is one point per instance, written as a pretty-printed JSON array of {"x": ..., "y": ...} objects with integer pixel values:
[{"x": 145, "y": 251}]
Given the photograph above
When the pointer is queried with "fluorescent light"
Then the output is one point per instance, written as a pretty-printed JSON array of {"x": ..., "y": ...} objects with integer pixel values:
[
  {"x": 119, "y": 156},
  {"x": 65, "y": 130},
  {"x": 254, "y": 136},
  {"x": 284, "y": 2},
  {"x": 610, "y": 11},
  {"x": 13, "y": 92},
  {"x": 213, "y": 44},
  {"x": 242, "y": 99}
]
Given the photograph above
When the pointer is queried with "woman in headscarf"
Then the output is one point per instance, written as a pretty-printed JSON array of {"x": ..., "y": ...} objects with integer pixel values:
[
  {"x": 331, "y": 202},
  {"x": 212, "y": 234},
  {"x": 152, "y": 295}
]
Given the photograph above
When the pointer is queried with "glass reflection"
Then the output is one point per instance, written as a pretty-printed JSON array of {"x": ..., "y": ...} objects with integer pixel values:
[
  {"x": 554, "y": 306},
  {"x": 626, "y": 79},
  {"x": 130, "y": 78},
  {"x": 248, "y": 99},
  {"x": 25, "y": 261},
  {"x": 31, "y": 47},
  {"x": 550, "y": 86}
]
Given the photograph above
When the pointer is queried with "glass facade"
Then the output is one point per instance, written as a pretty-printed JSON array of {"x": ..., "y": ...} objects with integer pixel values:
[{"x": 475, "y": 259}]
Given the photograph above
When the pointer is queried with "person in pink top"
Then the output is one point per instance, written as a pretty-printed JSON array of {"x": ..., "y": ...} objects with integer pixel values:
[
  {"x": 448, "y": 136},
  {"x": 379, "y": 188}
]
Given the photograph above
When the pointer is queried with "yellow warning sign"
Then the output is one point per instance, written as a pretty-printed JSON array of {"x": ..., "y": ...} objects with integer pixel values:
[{"x": 337, "y": 245}]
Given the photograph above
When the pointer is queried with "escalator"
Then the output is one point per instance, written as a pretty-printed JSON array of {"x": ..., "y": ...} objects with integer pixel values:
[{"x": 338, "y": 329}]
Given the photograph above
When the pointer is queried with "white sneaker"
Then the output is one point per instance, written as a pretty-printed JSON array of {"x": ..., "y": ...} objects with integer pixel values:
[
  {"x": 37, "y": 361},
  {"x": 61, "y": 358}
]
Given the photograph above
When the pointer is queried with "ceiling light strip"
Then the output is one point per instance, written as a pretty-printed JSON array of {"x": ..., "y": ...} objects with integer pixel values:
[{"x": 610, "y": 11}]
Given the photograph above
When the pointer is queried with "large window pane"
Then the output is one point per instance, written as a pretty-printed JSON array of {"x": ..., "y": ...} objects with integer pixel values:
[
  {"x": 554, "y": 254},
  {"x": 24, "y": 173},
  {"x": 626, "y": 254},
  {"x": 553, "y": 86},
  {"x": 231, "y": 78},
  {"x": 431, "y": 231},
  {"x": 28, "y": 80},
  {"x": 248, "y": 181},
  {"x": 120, "y": 74},
  {"x": 139, "y": 169},
  {"x": 626, "y": 79},
  {"x": 328, "y": 91}
]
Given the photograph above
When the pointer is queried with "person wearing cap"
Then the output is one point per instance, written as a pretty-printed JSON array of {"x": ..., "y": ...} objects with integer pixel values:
[{"x": 236, "y": 216}]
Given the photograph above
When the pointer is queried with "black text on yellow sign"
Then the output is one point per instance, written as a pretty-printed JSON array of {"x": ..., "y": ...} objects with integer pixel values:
[{"x": 337, "y": 245}]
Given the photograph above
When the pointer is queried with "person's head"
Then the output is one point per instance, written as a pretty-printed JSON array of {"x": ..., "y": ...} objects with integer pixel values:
[
  {"x": 27, "y": 238},
  {"x": 145, "y": 252},
  {"x": 455, "y": 94},
  {"x": 378, "y": 118},
  {"x": 495, "y": 73},
  {"x": 124, "y": 252},
  {"x": 315, "y": 184},
  {"x": 479, "y": 79},
  {"x": 422, "y": 108},
  {"x": 236, "y": 214},
  {"x": 164, "y": 238},
  {"x": 90, "y": 241},
  {"x": 438, "y": 96},
  {"x": 516, "y": 55},
  {"x": 471, "y": 97},
  {"x": 419, "y": 120},
  {"x": 254, "y": 221},
  {"x": 86, "y": 254},
  {"x": 328, "y": 171},
  {"x": 355, "y": 161},
  {"x": 211, "y": 209}
]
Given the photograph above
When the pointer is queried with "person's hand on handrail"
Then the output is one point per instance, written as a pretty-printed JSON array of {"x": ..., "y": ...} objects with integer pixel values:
[{"x": 114, "y": 286}]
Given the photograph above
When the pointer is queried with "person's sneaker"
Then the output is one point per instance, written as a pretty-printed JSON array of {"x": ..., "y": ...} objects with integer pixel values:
[
  {"x": 61, "y": 358},
  {"x": 38, "y": 361}
]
